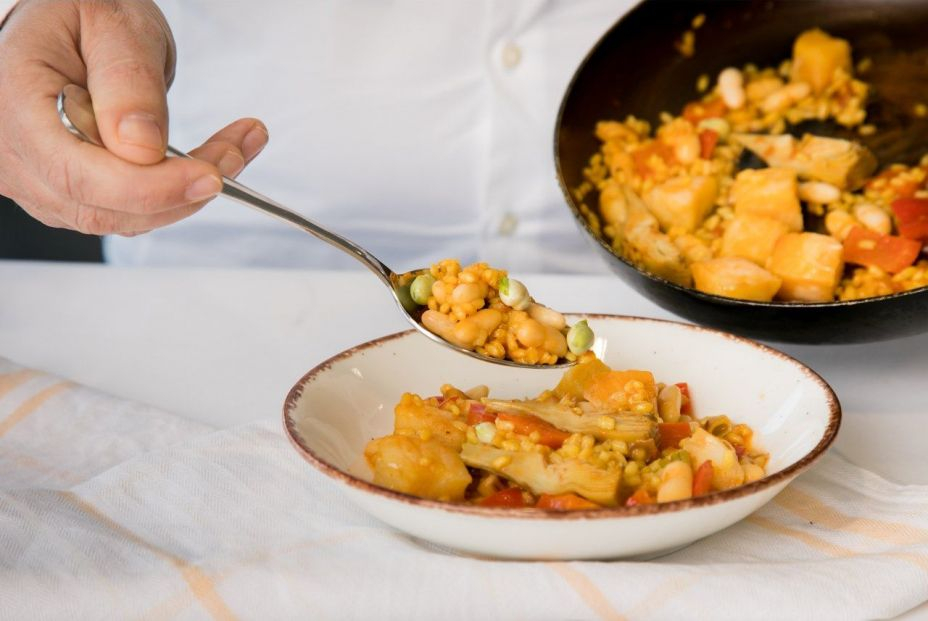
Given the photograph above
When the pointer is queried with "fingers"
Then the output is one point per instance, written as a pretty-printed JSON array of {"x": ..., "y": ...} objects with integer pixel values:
[
  {"x": 224, "y": 155},
  {"x": 127, "y": 50},
  {"x": 85, "y": 174},
  {"x": 99, "y": 221},
  {"x": 232, "y": 147},
  {"x": 68, "y": 183},
  {"x": 104, "y": 194},
  {"x": 90, "y": 175}
]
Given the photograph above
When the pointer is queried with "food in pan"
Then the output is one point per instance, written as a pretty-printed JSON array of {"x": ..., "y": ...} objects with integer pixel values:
[
  {"x": 600, "y": 438},
  {"x": 723, "y": 199},
  {"x": 482, "y": 309}
]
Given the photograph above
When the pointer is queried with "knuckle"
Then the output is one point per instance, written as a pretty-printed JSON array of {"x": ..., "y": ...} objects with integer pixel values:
[
  {"x": 132, "y": 70},
  {"x": 143, "y": 21},
  {"x": 65, "y": 177},
  {"x": 92, "y": 221},
  {"x": 213, "y": 151},
  {"x": 104, "y": 10}
]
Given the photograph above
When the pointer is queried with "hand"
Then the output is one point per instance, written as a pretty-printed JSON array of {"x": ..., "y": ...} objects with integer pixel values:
[{"x": 122, "y": 51}]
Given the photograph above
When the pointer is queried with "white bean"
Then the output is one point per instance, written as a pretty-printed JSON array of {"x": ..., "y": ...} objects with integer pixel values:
[
  {"x": 676, "y": 482},
  {"x": 731, "y": 87},
  {"x": 726, "y": 470},
  {"x": 488, "y": 319},
  {"x": 546, "y": 316},
  {"x": 839, "y": 223},
  {"x": 531, "y": 333},
  {"x": 759, "y": 88},
  {"x": 785, "y": 97},
  {"x": 873, "y": 218},
  {"x": 439, "y": 323},
  {"x": 514, "y": 294},
  {"x": 478, "y": 392},
  {"x": 467, "y": 292},
  {"x": 669, "y": 403},
  {"x": 555, "y": 342},
  {"x": 818, "y": 192}
]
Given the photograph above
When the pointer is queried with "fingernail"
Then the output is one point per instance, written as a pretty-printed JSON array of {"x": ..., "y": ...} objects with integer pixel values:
[
  {"x": 254, "y": 141},
  {"x": 231, "y": 164},
  {"x": 140, "y": 130},
  {"x": 205, "y": 187}
]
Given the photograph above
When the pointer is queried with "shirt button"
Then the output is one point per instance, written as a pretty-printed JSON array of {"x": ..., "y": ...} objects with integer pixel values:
[
  {"x": 511, "y": 55},
  {"x": 507, "y": 226}
]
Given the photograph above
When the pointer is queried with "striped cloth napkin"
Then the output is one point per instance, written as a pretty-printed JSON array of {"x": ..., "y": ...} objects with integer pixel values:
[{"x": 114, "y": 510}]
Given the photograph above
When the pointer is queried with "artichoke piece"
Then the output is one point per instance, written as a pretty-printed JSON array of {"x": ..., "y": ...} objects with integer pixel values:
[
  {"x": 683, "y": 201},
  {"x": 629, "y": 427},
  {"x": 531, "y": 470},
  {"x": 842, "y": 163},
  {"x": 642, "y": 242}
]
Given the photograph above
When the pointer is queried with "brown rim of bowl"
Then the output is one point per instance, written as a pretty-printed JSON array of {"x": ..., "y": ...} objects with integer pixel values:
[{"x": 831, "y": 430}]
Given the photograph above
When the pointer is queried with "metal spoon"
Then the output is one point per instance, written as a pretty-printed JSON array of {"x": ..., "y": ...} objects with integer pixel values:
[{"x": 76, "y": 111}]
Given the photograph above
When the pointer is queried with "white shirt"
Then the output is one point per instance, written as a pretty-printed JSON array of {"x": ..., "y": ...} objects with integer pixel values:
[{"x": 419, "y": 129}]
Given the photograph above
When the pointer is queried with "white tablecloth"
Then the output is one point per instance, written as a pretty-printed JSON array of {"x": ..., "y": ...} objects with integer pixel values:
[
  {"x": 221, "y": 348},
  {"x": 224, "y": 347}
]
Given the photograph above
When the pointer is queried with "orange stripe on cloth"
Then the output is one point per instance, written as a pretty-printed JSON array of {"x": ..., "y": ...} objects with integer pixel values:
[
  {"x": 660, "y": 595},
  {"x": 809, "y": 507},
  {"x": 30, "y": 405},
  {"x": 810, "y": 540},
  {"x": 174, "y": 605},
  {"x": 9, "y": 381},
  {"x": 199, "y": 583},
  {"x": 588, "y": 591}
]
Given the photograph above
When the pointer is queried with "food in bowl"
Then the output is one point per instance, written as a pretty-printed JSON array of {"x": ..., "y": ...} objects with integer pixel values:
[
  {"x": 600, "y": 438},
  {"x": 809, "y": 221},
  {"x": 482, "y": 309},
  {"x": 333, "y": 412}
]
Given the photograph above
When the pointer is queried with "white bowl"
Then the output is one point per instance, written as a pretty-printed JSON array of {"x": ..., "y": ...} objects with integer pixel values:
[{"x": 336, "y": 408}]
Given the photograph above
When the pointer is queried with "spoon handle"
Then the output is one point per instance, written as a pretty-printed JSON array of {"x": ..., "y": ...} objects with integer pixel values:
[{"x": 245, "y": 195}]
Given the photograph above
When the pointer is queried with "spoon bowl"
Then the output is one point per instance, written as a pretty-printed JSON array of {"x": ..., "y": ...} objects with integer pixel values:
[{"x": 75, "y": 108}]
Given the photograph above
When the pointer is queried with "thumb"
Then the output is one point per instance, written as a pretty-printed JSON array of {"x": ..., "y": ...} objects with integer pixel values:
[{"x": 128, "y": 51}]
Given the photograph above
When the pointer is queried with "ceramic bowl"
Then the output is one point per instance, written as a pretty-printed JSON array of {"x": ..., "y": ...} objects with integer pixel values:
[
  {"x": 607, "y": 86},
  {"x": 336, "y": 408}
]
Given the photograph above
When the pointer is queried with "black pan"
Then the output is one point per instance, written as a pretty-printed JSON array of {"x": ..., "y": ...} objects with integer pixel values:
[{"x": 635, "y": 68}]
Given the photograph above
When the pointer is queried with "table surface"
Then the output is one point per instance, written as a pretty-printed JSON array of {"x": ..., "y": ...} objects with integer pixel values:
[{"x": 223, "y": 347}]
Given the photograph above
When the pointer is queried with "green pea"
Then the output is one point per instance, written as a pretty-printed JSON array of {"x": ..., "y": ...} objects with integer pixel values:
[
  {"x": 421, "y": 288},
  {"x": 503, "y": 285},
  {"x": 514, "y": 294},
  {"x": 402, "y": 292},
  {"x": 580, "y": 337}
]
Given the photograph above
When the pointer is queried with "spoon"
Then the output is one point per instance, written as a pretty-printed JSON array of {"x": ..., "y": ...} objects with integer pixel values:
[{"x": 75, "y": 109}]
